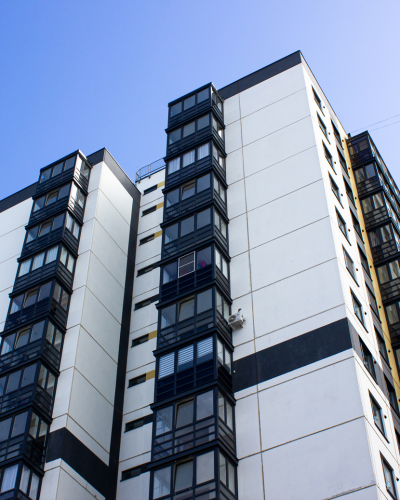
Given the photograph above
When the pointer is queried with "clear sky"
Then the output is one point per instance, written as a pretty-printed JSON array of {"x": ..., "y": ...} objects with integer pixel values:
[{"x": 87, "y": 74}]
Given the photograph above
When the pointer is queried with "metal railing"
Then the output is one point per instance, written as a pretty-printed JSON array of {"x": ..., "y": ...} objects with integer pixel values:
[{"x": 149, "y": 169}]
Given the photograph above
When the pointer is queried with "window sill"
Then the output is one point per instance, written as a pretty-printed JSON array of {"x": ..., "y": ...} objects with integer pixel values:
[
  {"x": 355, "y": 281},
  {"x": 385, "y": 360},
  {"x": 345, "y": 235},
  {"x": 365, "y": 328},
  {"x": 382, "y": 433}
]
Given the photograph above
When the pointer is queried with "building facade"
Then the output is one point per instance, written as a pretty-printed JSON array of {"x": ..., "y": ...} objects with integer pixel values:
[{"x": 226, "y": 326}]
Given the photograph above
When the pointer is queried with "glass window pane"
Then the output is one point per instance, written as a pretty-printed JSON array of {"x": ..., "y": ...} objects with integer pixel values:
[
  {"x": 50, "y": 332},
  {"x": 189, "y": 129},
  {"x": 185, "y": 358},
  {"x": 5, "y": 426},
  {"x": 186, "y": 264},
  {"x": 24, "y": 267},
  {"x": 220, "y": 352},
  {"x": 383, "y": 274},
  {"x": 202, "y": 96},
  {"x": 395, "y": 269},
  {"x": 219, "y": 302},
  {"x": 58, "y": 221},
  {"x": 45, "y": 291},
  {"x": 203, "y": 151},
  {"x": 30, "y": 298},
  {"x": 51, "y": 198},
  {"x": 386, "y": 234},
  {"x": 42, "y": 376},
  {"x": 23, "y": 484},
  {"x": 166, "y": 365},
  {"x": 58, "y": 340},
  {"x": 204, "y": 301},
  {"x": 13, "y": 381},
  {"x": 57, "y": 169},
  {"x": 64, "y": 300},
  {"x": 170, "y": 273},
  {"x": 188, "y": 190},
  {"x": 188, "y": 158},
  {"x": 205, "y": 467},
  {"x": 16, "y": 304},
  {"x": 229, "y": 415},
  {"x": 392, "y": 315},
  {"x": 33, "y": 490},
  {"x": 203, "y": 122},
  {"x": 378, "y": 200},
  {"x": 187, "y": 226},
  {"x": 71, "y": 263},
  {"x": 203, "y": 258},
  {"x": 3, "y": 381},
  {"x": 69, "y": 163},
  {"x": 203, "y": 183},
  {"x": 173, "y": 165},
  {"x": 162, "y": 482},
  {"x": 38, "y": 261},
  {"x": 43, "y": 429},
  {"x": 51, "y": 255},
  {"x": 223, "y": 228},
  {"x": 231, "y": 477},
  {"x": 224, "y": 268},
  {"x": 369, "y": 171},
  {"x": 22, "y": 338},
  {"x": 19, "y": 424},
  {"x": 227, "y": 360},
  {"x": 63, "y": 255},
  {"x": 184, "y": 476},
  {"x": 39, "y": 203},
  {"x": 204, "y": 350},
  {"x": 226, "y": 310},
  {"x": 176, "y": 109},
  {"x": 203, "y": 218},
  {"x": 45, "y": 175},
  {"x": 28, "y": 376},
  {"x": 222, "y": 468},
  {"x": 51, "y": 382},
  {"x": 32, "y": 234},
  {"x": 186, "y": 309},
  {"x": 76, "y": 230},
  {"x": 389, "y": 479},
  {"x": 189, "y": 102},
  {"x": 172, "y": 197},
  {"x": 204, "y": 405},
  {"x": 9, "y": 478},
  {"x": 8, "y": 344},
  {"x": 184, "y": 414},
  {"x": 174, "y": 136},
  {"x": 168, "y": 316},
  {"x": 171, "y": 233},
  {"x": 164, "y": 420}
]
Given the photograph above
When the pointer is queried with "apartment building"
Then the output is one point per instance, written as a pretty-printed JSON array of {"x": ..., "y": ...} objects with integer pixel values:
[{"x": 226, "y": 325}]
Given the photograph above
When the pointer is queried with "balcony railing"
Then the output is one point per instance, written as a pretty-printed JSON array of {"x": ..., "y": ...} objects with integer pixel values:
[
  {"x": 193, "y": 112},
  {"x": 381, "y": 252},
  {"x": 31, "y": 351},
  {"x": 55, "y": 208},
  {"x": 195, "y": 237},
  {"x": 52, "y": 238},
  {"x": 193, "y": 170},
  {"x": 152, "y": 168},
  {"x": 61, "y": 179},
  {"x": 202, "y": 135},
  {"x": 25, "y": 395},
  {"x": 46, "y": 272},
  {"x": 35, "y": 311}
]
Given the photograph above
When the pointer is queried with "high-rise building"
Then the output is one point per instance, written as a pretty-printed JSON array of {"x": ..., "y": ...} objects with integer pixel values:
[{"x": 224, "y": 326}]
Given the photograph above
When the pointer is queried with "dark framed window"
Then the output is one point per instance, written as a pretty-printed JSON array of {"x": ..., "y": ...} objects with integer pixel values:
[
  {"x": 187, "y": 264},
  {"x": 342, "y": 161},
  {"x": 73, "y": 226},
  {"x": 220, "y": 223},
  {"x": 377, "y": 415},
  {"x": 364, "y": 173},
  {"x": 335, "y": 188},
  {"x": 29, "y": 334},
  {"x": 342, "y": 224},
  {"x": 322, "y": 126},
  {"x": 187, "y": 226},
  {"x": 364, "y": 261},
  {"x": 189, "y": 129},
  {"x": 349, "y": 192},
  {"x": 221, "y": 263},
  {"x": 189, "y": 102},
  {"x": 150, "y": 189},
  {"x": 373, "y": 202},
  {"x": 224, "y": 356},
  {"x": 382, "y": 235},
  {"x": 357, "y": 147},
  {"x": 149, "y": 210},
  {"x": 368, "y": 359},
  {"x": 61, "y": 296},
  {"x": 218, "y": 128},
  {"x": 382, "y": 346},
  {"x": 219, "y": 189},
  {"x": 222, "y": 306},
  {"x": 216, "y": 100},
  {"x": 188, "y": 190},
  {"x": 317, "y": 99},
  {"x": 37, "y": 261},
  {"x": 140, "y": 422},
  {"x": 350, "y": 264},
  {"x": 388, "y": 474},
  {"x": 147, "y": 239},
  {"x": 129, "y": 473},
  {"x": 189, "y": 158},
  {"x": 357, "y": 308},
  {"x": 392, "y": 396},
  {"x": 57, "y": 169},
  {"x": 372, "y": 301},
  {"x": 140, "y": 340},
  {"x": 30, "y": 297},
  {"x": 28, "y": 481},
  {"x": 145, "y": 270},
  {"x": 219, "y": 157},
  {"x": 227, "y": 473},
  {"x": 146, "y": 302},
  {"x": 48, "y": 226},
  {"x": 388, "y": 272},
  {"x": 52, "y": 197},
  {"x": 392, "y": 313},
  {"x": 77, "y": 195},
  {"x": 356, "y": 225},
  {"x": 328, "y": 157},
  {"x": 336, "y": 133},
  {"x": 137, "y": 380}
]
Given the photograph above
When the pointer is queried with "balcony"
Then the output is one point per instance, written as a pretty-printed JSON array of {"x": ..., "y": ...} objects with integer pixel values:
[
  {"x": 186, "y": 173},
  {"x": 368, "y": 186},
  {"x": 63, "y": 178},
  {"x": 375, "y": 217},
  {"x": 57, "y": 207},
  {"x": 195, "y": 111},
  {"x": 35, "y": 311},
  {"x": 22, "y": 445},
  {"x": 52, "y": 238},
  {"x": 384, "y": 251},
  {"x": 30, "y": 394},
  {"x": 29, "y": 352},
  {"x": 45, "y": 273}
]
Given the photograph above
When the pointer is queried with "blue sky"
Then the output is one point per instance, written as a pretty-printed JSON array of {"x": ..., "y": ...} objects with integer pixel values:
[{"x": 84, "y": 74}]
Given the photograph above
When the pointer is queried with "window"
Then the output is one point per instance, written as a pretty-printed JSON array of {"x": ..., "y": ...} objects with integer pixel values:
[
  {"x": 227, "y": 473},
  {"x": 222, "y": 306},
  {"x": 190, "y": 128},
  {"x": 389, "y": 478},
  {"x": 187, "y": 357},
  {"x": 147, "y": 239},
  {"x": 46, "y": 380},
  {"x": 388, "y": 272},
  {"x": 224, "y": 356},
  {"x": 221, "y": 263},
  {"x": 225, "y": 410},
  {"x": 137, "y": 380},
  {"x": 150, "y": 189},
  {"x": 364, "y": 173},
  {"x": 53, "y": 336},
  {"x": 322, "y": 126},
  {"x": 218, "y": 128},
  {"x": 77, "y": 195},
  {"x": 350, "y": 265},
  {"x": 140, "y": 422},
  {"x": 146, "y": 302},
  {"x": 18, "y": 379},
  {"x": 44, "y": 228},
  {"x": 11, "y": 427},
  {"x": 186, "y": 264},
  {"x": 357, "y": 308},
  {"x": 189, "y": 102},
  {"x": 30, "y": 297},
  {"x": 149, "y": 210},
  {"x": 382, "y": 346},
  {"x": 188, "y": 190},
  {"x": 186, "y": 308},
  {"x": 372, "y": 301},
  {"x": 364, "y": 260},
  {"x": 360, "y": 145},
  {"x": 356, "y": 225},
  {"x": 72, "y": 226},
  {"x": 145, "y": 270},
  {"x": 129, "y": 473},
  {"x": 216, "y": 100},
  {"x": 66, "y": 259},
  {"x": 367, "y": 358},
  {"x": 38, "y": 429},
  {"x": 60, "y": 167},
  {"x": 140, "y": 340},
  {"x": 317, "y": 99},
  {"x": 392, "y": 313},
  {"x": 219, "y": 189},
  {"x": 341, "y": 224},
  {"x": 392, "y": 395},
  {"x": 218, "y": 156},
  {"x": 335, "y": 188},
  {"x": 28, "y": 483},
  {"x": 373, "y": 203},
  {"x": 51, "y": 197},
  {"x": 377, "y": 415},
  {"x": 189, "y": 158},
  {"x": 220, "y": 224},
  {"x": 349, "y": 192},
  {"x": 342, "y": 161},
  {"x": 187, "y": 226},
  {"x": 36, "y": 262},
  {"x": 336, "y": 133},
  {"x": 27, "y": 335},
  {"x": 328, "y": 157},
  {"x": 381, "y": 235},
  {"x": 61, "y": 296}
]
